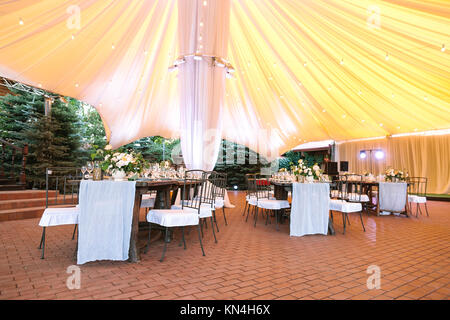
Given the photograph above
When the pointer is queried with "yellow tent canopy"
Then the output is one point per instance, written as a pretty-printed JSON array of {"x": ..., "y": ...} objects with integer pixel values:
[{"x": 305, "y": 69}]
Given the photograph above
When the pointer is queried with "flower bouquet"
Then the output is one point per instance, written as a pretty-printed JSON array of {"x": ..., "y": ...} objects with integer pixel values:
[
  {"x": 123, "y": 164},
  {"x": 393, "y": 175},
  {"x": 307, "y": 173}
]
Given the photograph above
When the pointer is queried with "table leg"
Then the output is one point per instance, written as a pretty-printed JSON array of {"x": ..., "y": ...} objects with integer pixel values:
[
  {"x": 378, "y": 202},
  {"x": 133, "y": 253},
  {"x": 331, "y": 227}
]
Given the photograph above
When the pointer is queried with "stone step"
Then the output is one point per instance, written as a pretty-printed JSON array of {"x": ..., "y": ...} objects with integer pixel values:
[
  {"x": 9, "y": 187},
  {"x": 35, "y": 202},
  {"x": 25, "y": 213},
  {"x": 5, "y": 181},
  {"x": 25, "y": 194}
]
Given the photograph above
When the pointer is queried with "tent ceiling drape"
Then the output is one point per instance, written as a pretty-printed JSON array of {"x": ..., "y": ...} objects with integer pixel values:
[{"x": 305, "y": 70}]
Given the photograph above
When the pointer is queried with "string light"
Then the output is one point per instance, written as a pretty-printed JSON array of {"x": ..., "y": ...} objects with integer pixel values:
[
  {"x": 205, "y": 3},
  {"x": 443, "y": 48},
  {"x": 21, "y": 21},
  {"x": 113, "y": 47},
  {"x": 341, "y": 62},
  {"x": 73, "y": 37},
  {"x": 387, "y": 57},
  {"x": 305, "y": 64}
]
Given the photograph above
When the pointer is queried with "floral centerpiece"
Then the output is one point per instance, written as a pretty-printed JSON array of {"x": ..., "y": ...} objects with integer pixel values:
[
  {"x": 121, "y": 164},
  {"x": 309, "y": 173},
  {"x": 395, "y": 175}
]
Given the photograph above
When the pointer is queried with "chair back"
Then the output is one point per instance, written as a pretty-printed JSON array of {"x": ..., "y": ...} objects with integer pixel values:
[
  {"x": 417, "y": 186},
  {"x": 259, "y": 187},
  {"x": 354, "y": 187},
  {"x": 219, "y": 180},
  {"x": 193, "y": 191},
  {"x": 66, "y": 184}
]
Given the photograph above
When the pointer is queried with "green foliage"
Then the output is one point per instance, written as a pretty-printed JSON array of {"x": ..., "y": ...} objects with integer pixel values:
[
  {"x": 53, "y": 141},
  {"x": 236, "y": 161},
  {"x": 292, "y": 157}
]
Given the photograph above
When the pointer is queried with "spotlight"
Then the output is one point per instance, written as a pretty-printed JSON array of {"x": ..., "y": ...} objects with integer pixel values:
[
  {"x": 362, "y": 154},
  {"x": 379, "y": 154},
  {"x": 235, "y": 187}
]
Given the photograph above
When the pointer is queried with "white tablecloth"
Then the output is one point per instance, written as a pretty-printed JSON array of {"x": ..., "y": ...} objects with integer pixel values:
[
  {"x": 392, "y": 197},
  {"x": 310, "y": 208},
  {"x": 106, "y": 214}
]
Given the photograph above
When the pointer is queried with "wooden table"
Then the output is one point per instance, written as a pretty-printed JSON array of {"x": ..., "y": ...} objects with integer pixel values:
[
  {"x": 281, "y": 190},
  {"x": 368, "y": 189},
  {"x": 163, "y": 200}
]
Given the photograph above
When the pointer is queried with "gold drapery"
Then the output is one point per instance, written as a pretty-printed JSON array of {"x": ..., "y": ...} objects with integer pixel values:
[{"x": 421, "y": 156}]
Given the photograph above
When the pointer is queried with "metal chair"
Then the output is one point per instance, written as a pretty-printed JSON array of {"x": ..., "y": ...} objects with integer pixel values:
[
  {"x": 219, "y": 180},
  {"x": 341, "y": 203},
  {"x": 61, "y": 179},
  {"x": 260, "y": 196},
  {"x": 192, "y": 197},
  {"x": 417, "y": 193}
]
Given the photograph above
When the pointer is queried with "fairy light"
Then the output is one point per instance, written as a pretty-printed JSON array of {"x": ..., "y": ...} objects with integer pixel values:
[
  {"x": 387, "y": 57},
  {"x": 21, "y": 21},
  {"x": 443, "y": 48},
  {"x": 341, "y": 62}
]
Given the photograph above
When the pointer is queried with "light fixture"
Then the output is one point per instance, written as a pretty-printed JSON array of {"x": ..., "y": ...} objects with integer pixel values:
[
  {"x": 235, "y": 187},
  {"x": 341, "y": 62},
  {"x": 363, "y": 154},
  {"x": 179, "y": 61},
  {"x": 443, "y": 48},
  {"x": 73, "y": 37},
  {"x": 21, "y": 21},
  {"x": 305, "y": 64},
  {"x": 387, "y": 57},
  {"x": 219, "y": 62},
  {"x": 379, "y": 154}
]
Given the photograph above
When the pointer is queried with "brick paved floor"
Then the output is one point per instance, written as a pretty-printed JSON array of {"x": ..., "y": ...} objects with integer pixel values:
[{"x": 247, "y": 263}]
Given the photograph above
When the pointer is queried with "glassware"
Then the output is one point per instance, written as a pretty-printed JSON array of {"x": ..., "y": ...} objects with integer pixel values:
[
  {"x": 97, "y": 176},
  {"x": 83, "y": 171},
  {"x": 90, "y": 167}
]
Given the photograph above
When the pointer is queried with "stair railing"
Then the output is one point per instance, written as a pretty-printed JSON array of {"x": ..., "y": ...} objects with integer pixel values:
[{"x": 12, "y": 173}]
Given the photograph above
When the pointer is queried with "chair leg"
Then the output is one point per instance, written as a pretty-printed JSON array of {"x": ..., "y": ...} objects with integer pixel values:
[
  {"x": 212, "y": 227},
  {"x": 165, "y": 245},
  {"x": 344, "y": 220},
  {"x": 362, "y": 222},
  {"x": 248, "y": 212},
  {"x": 256, "y": 215},
  {"x": 417, "y": 210},
  {"x": 200, "y": 239},
  {"x": 245, "y": 208},
  {"x": 426, "y": 209},
  {"x": 276, "y": 220},
  {"x": 43, "y": 243},
  {"x": 215, "y": 220},
  {"x": 74, "y": 230},
  {"x": 267, "y": 218},
  {"x": 224, "y": 216},
  {"x": 348, "y": 220},
  {"x": 149, "y": 235},
  {"x": 182, "y": 236},
  {"x": 201, "y": 226}
]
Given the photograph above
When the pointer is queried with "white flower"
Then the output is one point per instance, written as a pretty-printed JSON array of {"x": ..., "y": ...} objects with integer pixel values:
[
  {"x": 316, "y": 168},
  {"x": 108, "y": 147},
  {"x": 107, "y": 157}
]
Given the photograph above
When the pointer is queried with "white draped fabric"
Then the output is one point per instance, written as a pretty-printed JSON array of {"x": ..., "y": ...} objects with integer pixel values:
[
  {"x": 106, "y": 212},
  {"x": 310, "y": 209},
  {"x": 392, "y": 197},
  {"x": 203, "y": 29}
]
